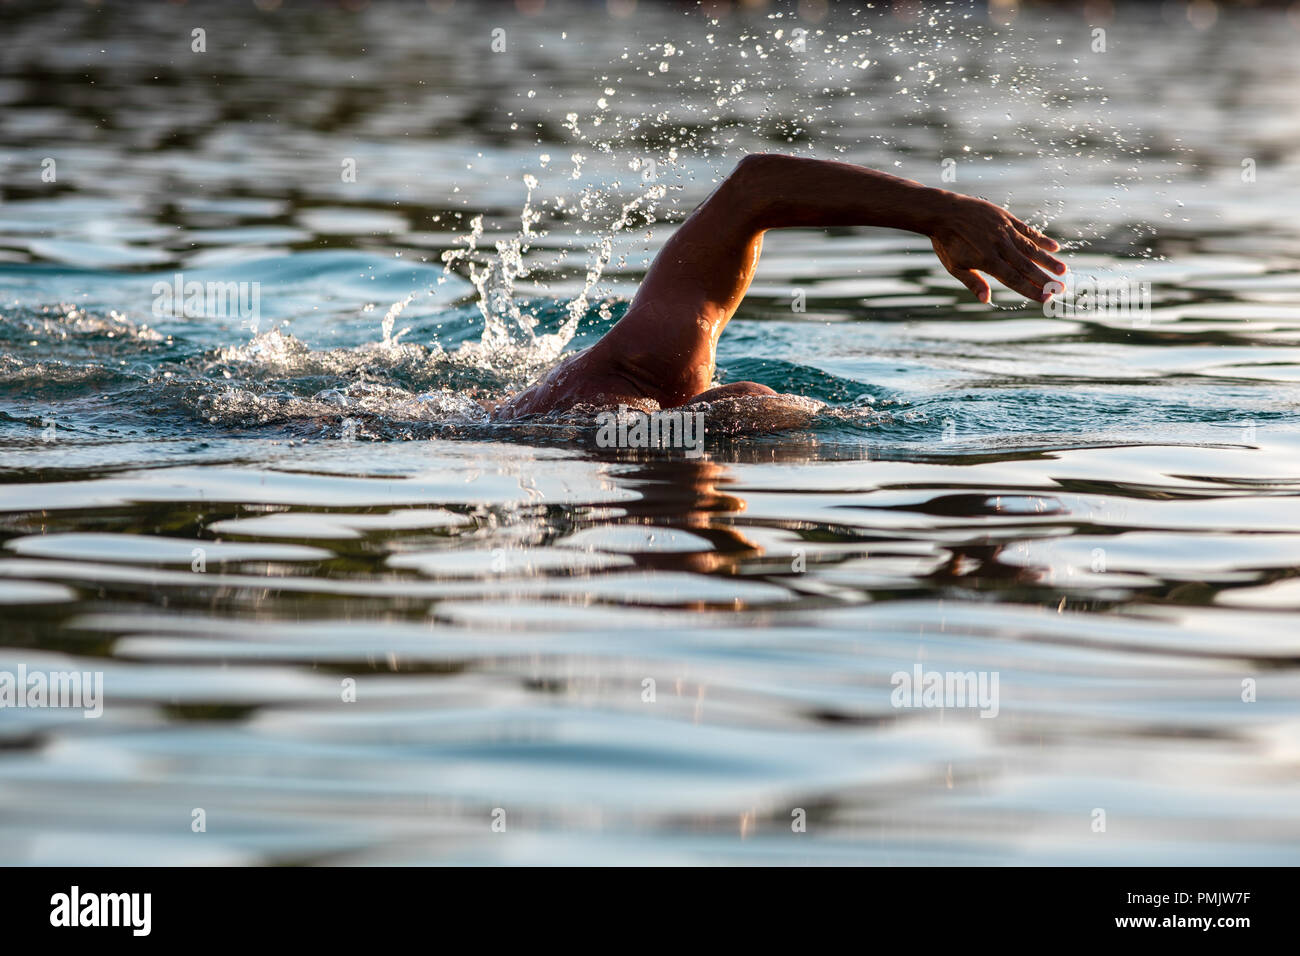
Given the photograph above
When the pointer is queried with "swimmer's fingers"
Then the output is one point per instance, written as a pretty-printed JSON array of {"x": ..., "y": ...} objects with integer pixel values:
[
  {"x": 1036, "y": 237},
  {"x": 1035, "y": 255},
  {"x": 1025, "y": 279},
  {"x": 1017, "y": 270},
  {"x": 973, "y": 281}
]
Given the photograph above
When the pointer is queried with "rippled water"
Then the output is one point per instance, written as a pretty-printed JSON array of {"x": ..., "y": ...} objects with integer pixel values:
[{"x": 243, "y": 519}]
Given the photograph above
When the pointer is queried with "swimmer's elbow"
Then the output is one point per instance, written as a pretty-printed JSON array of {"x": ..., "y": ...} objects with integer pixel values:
[
  {"x": 748, "y": 191},
  {"x": 768, "y": 190},
  {"x": 754, "y": 173},
  {"x": 753, "y": 163}
]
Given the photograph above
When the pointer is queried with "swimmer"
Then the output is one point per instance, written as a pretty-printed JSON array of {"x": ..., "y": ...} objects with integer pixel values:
[{"x": 663, "y": 349}]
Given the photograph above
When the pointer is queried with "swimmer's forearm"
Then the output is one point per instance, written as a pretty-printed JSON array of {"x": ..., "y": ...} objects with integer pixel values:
[
  {"x": 969, "y": 235},
  {"x": 774, "y": 191}
]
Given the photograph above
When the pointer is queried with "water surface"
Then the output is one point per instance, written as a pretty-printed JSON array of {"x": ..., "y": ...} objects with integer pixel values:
[{"x": 1103, "y": 512}]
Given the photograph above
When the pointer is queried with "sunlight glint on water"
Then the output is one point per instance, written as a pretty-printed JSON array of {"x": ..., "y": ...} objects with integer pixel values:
[{"x": 232, "y": 517}]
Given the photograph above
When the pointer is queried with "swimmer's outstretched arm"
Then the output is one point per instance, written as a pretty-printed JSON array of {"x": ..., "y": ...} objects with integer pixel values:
[{"x": 663, "y": 348}]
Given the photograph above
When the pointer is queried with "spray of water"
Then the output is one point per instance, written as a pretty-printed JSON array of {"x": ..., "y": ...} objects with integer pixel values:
[{"x": 949, "y": 85}]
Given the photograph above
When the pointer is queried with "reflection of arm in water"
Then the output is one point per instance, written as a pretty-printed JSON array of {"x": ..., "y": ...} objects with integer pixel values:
[{"x": 663, "y": 348}]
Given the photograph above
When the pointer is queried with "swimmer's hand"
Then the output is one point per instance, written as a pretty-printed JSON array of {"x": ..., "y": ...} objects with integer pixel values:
[{"x": 973, "y": 236}]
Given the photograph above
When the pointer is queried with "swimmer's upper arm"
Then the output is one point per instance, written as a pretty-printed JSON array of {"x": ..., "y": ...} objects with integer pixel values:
[{"x": 693, "y": 287}]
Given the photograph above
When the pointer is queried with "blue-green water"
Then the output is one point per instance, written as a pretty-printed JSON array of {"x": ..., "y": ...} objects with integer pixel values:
[{"x": 352, "y": 620}]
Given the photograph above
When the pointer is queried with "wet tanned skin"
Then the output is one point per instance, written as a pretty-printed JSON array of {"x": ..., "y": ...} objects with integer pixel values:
[{"x": 664, "y": 347}]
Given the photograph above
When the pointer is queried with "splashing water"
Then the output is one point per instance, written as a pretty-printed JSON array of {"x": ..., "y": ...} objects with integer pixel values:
[
  {"x": 1100, "y": 513},
  {"x": 510, "y": 339},
  {"x": 810, "y": 86}
]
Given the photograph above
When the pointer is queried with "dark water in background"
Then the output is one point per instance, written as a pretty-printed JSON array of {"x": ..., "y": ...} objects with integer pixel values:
[{"x": 1103, "y": 513}]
